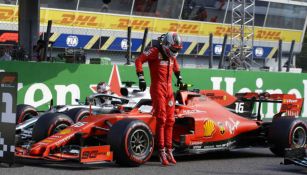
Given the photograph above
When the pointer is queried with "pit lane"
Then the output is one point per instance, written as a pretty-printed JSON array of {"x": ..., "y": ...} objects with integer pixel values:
[{"x": 255, "y": 161}]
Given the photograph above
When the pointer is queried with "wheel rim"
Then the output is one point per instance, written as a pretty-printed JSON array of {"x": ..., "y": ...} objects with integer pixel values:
[
  {"x": 299, "y": 137},
  {"x": 59, "y": 128},
  {"x": 139, "y": 142}
]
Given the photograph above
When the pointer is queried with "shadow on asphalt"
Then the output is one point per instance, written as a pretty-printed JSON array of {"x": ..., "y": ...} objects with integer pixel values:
[{"x": 75, "y": 166}]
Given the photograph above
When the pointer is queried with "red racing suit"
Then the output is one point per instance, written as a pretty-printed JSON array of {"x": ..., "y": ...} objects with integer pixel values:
[{"x": 161, "y": 92}]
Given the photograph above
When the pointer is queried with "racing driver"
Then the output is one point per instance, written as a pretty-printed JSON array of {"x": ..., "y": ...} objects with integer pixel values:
[
  {"x": 103, "y": 88},
  {"x": 162, "y": 63}
]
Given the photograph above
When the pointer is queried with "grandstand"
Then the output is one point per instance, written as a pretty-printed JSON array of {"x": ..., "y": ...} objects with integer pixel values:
[{"x": 100, "y": 26}]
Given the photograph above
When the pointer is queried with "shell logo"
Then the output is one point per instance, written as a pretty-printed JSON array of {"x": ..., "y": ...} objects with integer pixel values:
[{"x": 209, "y": 128}]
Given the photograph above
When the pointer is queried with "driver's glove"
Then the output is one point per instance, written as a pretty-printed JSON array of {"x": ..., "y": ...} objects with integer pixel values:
[
  {"x": 142, "y": 82},
  {"x": 179, "y": 79}
]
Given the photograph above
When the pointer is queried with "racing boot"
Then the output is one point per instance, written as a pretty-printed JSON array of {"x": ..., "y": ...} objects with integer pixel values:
[
  {"x": 170, "y": 157},
  {"x": 163, "y": 158}
]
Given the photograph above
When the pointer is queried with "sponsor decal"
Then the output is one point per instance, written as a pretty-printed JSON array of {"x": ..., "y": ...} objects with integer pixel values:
[
  {"x": 218, "y": 49},
  {"x": 8, "y": 13},
  {"x": 79, "y": 124},
  {"x": 232, "y": 125},
  {"x": 89, "y": 154},
  {"x": 9, "y": 36},
  {"x": 221, "y": 127},
  {"x": 8, "y": 79},
  {"x": 66, "y": 131},
  {"x": 137, "y": 24},
  {"x": 164, "y": 63},
  {"x": 64, "y": 140},
  {"x": 214, "y": 146},
  {"x": 79, "y": 19},
  {"x": 259, "y": 51},
  {"x": 170, "y": 103},
  {"x": 209, "y": 128},
  {"x": 148, "y": 52},
  {"x": 221, "y": 31},
  {"x": 124, "y": 44},
  {"x": 268, "y": 35},
  {"x": 290, "y": 101},
  {"x": 47, "y": 141},
  {"x": 72, "y": 41},
  {"x": 184, "y": 28},
  {"x": 191, "y": 111},
  {"x": 195, "y": 143}
]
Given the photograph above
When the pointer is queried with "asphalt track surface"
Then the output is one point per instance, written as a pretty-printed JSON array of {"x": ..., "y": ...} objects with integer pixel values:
[{"x": 254, "y": 161}]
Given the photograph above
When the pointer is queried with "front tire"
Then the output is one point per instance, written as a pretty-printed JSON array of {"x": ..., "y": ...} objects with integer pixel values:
[
  {"x": 77, "y": 114},
  {"x": 25, "y": 112},
  {"x": 49, "y": 124},
  {"x": 131, "y": 141},
  {"x": 287, "y": 132}
]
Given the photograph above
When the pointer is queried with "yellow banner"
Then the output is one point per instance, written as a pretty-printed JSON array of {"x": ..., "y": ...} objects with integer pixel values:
[{"x": 120, "y": 22}]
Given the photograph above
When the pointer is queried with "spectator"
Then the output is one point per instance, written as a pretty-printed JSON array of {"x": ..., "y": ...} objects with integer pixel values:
[
  {"x": 5, "y": 55},
  {"x": 220, "y": 4},
  {"x": 201, "y": 14},
  {"x": 8, "y": 1},
  {"x": 39, "y": 50},
  {"x": 213, "y": 19}
]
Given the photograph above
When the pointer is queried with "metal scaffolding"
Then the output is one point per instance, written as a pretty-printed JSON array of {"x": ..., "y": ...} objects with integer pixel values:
[{"x": 242, "y": 34}]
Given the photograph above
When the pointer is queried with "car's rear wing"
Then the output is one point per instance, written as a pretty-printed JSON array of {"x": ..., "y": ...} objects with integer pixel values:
[{"x": 290, "y": 104}]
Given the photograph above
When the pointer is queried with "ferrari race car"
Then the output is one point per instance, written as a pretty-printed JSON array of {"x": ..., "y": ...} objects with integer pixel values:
[
  {"x": 205, "y": 121},
  {"x": 97, "y": 103}
]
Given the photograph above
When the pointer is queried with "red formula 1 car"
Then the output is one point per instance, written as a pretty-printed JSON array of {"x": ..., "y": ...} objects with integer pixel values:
[{"x": 206, "y": 120}]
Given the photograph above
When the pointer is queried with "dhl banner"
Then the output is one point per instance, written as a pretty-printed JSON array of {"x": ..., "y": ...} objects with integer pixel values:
[{"x": 121, "y": 22}]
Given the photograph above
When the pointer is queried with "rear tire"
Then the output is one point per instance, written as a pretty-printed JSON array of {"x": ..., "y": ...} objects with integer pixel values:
[
  {"x": 25, "y": 112},
  {"x": 49, "y": 124},
  {"x": 131, "y": 141},
  {"x": 287, "y": 132}
]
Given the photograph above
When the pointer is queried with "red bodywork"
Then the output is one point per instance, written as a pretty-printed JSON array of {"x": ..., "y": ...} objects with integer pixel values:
[{"x": 200, "y": 118}]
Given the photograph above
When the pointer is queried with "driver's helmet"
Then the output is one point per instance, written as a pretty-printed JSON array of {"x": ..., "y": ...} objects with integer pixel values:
[
  {"x": 171, "y": 44},
  {"x": 103, "y": 87}
]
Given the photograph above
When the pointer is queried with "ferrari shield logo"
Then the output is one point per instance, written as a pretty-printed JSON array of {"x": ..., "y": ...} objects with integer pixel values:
[{"x": 222, "y": 128}]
